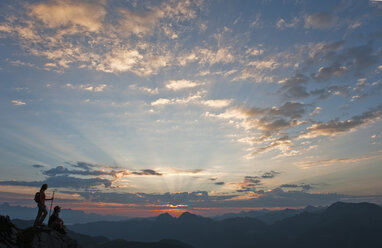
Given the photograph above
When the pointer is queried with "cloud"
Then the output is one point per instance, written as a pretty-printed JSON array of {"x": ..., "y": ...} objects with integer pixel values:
[
  {"x": 325, "y": 73},
  {"x": 322, "y": 20},
  {"x": 57, "y": 14},
  {"x": 207, "y": 56},
  {"x": 83, "y": 165},
  {"x": 248, "y": 184},
  {"x": 60, "y": 170},
  {"x": 327, "y": 162},
  {"x": 62, "y": 182},
  {"x": 332, "y": 90},
  {"x": 176, "y": 85},
  {"x": 192, "y": 98},
  {"x": 282, "y": 24},
  {"x": 304, "y": 187},
  {"x": 219, "y": 183},
  {"x": 270, "y": 174},
  {"x": 335, "y": 127},
  {"x": 359, "y": 57},
  {"x": 98, "y": 88},
  {"x": 88, "y": 35},
  {"x": 38, "y": 166},
  {"x": 271, "y": 121},
  {"x": 202, "y": 199},
  {"x": 283, "y": 144},
  {"x": 144, "y": 89},
  {"x": 316, "y": 111},
  {"x": 92, "y": 170},
  {"x": 217, "y": 103},
  {"x": 88, "y": 87},
  {"x": 18, "y": 102},
  {"x": 144, "y": 22},
  {"x": 146, "y": 172},
  {"x": 255, "y": 51},
  {"x": 295, "y": 86}
]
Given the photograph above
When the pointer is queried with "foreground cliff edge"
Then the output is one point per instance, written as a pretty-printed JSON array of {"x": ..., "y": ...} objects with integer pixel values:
[
  {"x": 33, "y": 237},
  {"x": 40, "y": 237}
]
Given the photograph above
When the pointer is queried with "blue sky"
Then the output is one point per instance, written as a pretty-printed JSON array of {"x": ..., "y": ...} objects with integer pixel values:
[{"x": 140, "y": 107}]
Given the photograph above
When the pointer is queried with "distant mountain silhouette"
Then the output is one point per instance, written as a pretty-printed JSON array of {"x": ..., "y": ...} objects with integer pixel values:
[
  {"x": 19, "y": 234},
  {"x": 270, "y": 216},
  {"x": 340, "y": 225},
  {"x": 70, "y": 216}
]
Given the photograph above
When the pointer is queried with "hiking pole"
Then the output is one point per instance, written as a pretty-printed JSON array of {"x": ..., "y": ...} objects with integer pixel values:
[{"x": 51, "y": 203}]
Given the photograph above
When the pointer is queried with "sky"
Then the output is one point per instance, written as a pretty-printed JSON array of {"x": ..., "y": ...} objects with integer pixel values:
[{"x": 137, "y": 108}]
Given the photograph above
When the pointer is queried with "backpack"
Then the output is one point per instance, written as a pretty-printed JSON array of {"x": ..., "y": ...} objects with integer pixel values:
[{"x": 37, "y": 197}]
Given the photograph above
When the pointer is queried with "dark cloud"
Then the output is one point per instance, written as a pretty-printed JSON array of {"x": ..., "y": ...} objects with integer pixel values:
[
  {"x": 188, "y": 198},
  {"x": 332, "y": 90},
  {"x": 38, "y": 166},
  {"x": 83, "y": 165},
  {"x": 322, "y": 52},
  {"x": 295, "y": 86},
  {"x": 219, "y": 183},
  {"x": 289, "y": 109},
  {"x": 302, "y": 186},
  {"x": 273, "y": 119},
  {"x": 147, "y": 172},
  {"x": 325, "y": 73},
  {"x": 96, "y": 170},
  {"x": 249, "y": 184},
  {"x": 63, "y": 182},
  {"x": 320, "y": 20},
  {"x": 359, "y": 58},
  {"x": 353, "y": 59},
  {"x": 270, "y": 174},
  {"x": 334, "y": 127},
  {"x": 60, "y": 170},
  {"x": 283, "y": 141},
  {"x": 201, "y": 199}
]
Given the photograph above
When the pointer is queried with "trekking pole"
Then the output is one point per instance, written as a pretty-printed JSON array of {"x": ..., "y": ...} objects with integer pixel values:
[{"x": 51, "y": 203}]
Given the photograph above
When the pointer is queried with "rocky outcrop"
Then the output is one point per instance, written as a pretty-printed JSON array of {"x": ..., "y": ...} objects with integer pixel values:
[{"x": 33, "y": 237}]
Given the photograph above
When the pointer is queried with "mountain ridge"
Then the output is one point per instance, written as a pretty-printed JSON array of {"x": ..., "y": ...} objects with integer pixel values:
[{"x": 240, "y": 232}]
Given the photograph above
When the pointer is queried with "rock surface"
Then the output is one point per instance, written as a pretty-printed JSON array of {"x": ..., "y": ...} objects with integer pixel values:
[{"x": 33, "y": 237}]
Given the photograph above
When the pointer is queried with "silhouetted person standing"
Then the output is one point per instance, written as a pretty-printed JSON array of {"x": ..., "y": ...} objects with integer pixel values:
[{"x": 42, "y": 212}]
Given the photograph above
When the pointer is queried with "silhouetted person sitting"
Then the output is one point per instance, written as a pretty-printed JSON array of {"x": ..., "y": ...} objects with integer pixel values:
[
  {"x": 55, "y": 222},
  {"x": 42, "y": 212}
]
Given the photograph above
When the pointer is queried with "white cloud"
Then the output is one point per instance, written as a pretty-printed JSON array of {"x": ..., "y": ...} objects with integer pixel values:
[
  {"x": 282, "y": 24},
  {"x": 182, "y": 84},
  {"x": 88, "y": 87},
  {"x": 60, "y": 13},
  {"x": 220, "y": 103},
  {"x": 145, "y": 89},
  {"x": 255, "y": 51},
  {"x": 161, "y": 101},
  {"x": 18, "y": 102},
  {"x": 316, "y": 111}
]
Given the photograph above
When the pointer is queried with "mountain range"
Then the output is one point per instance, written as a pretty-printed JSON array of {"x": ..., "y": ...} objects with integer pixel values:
[
  {"x": 69, "y": 215},
  {"x": 270, "y": 216},
  {"x": 339, "y": 225}
]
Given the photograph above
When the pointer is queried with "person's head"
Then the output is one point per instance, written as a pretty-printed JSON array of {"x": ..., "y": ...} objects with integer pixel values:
[
  {"x": 57, "y": 209},
  {"x": 44, "y": 187}
]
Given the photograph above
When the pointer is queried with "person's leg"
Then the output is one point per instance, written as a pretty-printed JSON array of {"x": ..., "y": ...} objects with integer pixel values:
[
  {"x": 44, "y": 213},
  {"x": 37, "y": 220}
]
